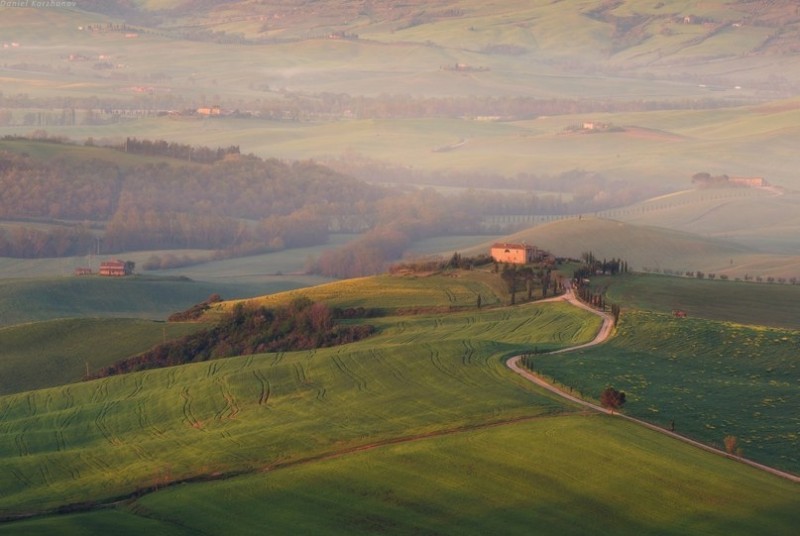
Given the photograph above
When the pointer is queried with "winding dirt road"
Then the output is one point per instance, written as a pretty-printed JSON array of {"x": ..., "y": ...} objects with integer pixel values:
[{"x": 602, "y": 335}]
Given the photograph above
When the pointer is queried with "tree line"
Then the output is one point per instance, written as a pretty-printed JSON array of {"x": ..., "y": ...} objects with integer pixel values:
[
  {"x": 301, "y": 325},
  {"x": 180, "y": 151},
  {"x": 238, "y": 204}
]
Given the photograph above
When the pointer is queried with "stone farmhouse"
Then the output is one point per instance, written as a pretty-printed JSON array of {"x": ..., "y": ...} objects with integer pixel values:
[{"x": 515, "y": 253}]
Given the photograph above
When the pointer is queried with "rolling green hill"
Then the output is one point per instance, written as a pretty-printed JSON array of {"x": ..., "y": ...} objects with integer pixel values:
[
  {"x": 761, "y": 220},
  {"x": 750, "y": 303},
  {"x": 57, "y": 352},
  {"x": 29, "y": 300},
  {"x": 101, "y": 439},
  {"x": 546, "y": 473},
  {"x": 433, "y": 382},
  {"x": 650, "y": 248}
]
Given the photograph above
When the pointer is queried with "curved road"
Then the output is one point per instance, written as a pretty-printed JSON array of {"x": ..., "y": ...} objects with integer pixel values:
[{"x": 602, "y": 335}]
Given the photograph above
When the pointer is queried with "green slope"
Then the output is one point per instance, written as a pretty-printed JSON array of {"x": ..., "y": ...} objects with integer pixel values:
[
  {"x": 437, "y": 384},
  {"x": 28, "y": 300},
  {"x": 710, "y": 378},
  {"x": 755, "y": 304},
  {"x": 56, "y": 352},
  {"x": 564, "y": 475},
  {"x": 642, "y": 246},
  {"x": 97, "y": 440},
  {"x": 556, "y": 475}
]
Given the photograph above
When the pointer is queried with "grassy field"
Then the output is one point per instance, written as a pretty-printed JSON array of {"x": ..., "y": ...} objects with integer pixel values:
[
  {"x": 757, "y": 219},
  {"x": 561, "y": 475},
  {"x": 57, "y": 352},
  {"x": 419, "y": 375},
  {"x": 431, "y": 392},
  {"x": 758, "y": 304},
  {"x": 651, "y": 248},
  {"x": 712, "y": 378},
  {"x": 399, "y": 293},
  {"x": 29, "y": 300},
  {"x": 287, "y": 267}
]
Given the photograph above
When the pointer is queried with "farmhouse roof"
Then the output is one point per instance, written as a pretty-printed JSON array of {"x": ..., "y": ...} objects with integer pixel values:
[{"x": 510, "y": 245}]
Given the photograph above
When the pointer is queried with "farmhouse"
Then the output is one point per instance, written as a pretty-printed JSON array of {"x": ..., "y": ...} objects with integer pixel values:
[
  {"x": 514, "y": 253},
  {"x": 116, "y": 268},
  {"x": 83, "y": 271},
  {"x": 751, "y": 182},
  {"x": 212, "y": 110}
]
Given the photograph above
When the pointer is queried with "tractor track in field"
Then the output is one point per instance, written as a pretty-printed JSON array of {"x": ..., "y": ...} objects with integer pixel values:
[
  {"x": 602, "y": 335},
  {"x": 341, "y": 365},
  {"x": 265, "y": 387},
  {"x": 188, "y": 416},
  {"x": 137, "y": 387},
  {"x": 231, "y": 409},
  {"x": 102, "y": 425}
]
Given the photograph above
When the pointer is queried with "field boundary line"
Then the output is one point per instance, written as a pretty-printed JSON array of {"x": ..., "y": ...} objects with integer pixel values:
[{"x": 603, "y": 335}]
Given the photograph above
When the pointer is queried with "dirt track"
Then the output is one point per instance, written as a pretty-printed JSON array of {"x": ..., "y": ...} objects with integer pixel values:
[{"x": 602, "y": 335}]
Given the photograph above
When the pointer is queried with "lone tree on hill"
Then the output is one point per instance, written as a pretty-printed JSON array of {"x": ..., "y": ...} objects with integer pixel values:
[{"x": 612, "y": 399}]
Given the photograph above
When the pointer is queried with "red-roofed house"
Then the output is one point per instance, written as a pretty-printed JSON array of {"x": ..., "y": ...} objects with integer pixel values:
[{"x": 116, "y": 268}]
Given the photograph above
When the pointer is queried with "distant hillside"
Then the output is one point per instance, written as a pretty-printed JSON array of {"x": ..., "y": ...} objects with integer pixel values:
[
  {"x": 642, "y": 246},
  {"x": 759, "y": 219},
  {"x": 57, "y": 352},
  {"x": 46, "y": 298},
  {"x": 641, "y": 35}
]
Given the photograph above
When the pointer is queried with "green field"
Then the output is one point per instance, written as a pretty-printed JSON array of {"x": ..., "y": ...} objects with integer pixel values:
[
  {"x": 431, "y": 392},
  {"x": 57, "y": 352},
  {"x": 97, "y": 440},
  {"x": 554, "y": 475},
  {"x": 400, "y": 293},
  {"x": 711, "y": 378},
  {"x": 155, "y": 298},
  {"x": 758, "y": 304}
]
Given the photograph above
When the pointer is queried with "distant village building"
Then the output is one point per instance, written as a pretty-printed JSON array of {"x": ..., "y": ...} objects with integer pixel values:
[
  {"x": 751, "y": 182},
  {"x": 514, "y": 253},
  {"x": 212, "y": 110},
  {"x": 83, "y": 271},
  {"x": 594, "y": 125},
  {"x": 116, "y": 268}
]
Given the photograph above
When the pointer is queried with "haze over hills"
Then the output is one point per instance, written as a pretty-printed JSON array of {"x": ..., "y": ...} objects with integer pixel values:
[
  {"x": 635, "y": 96},
  {"x": 313, "y": 187},
  {"x": 446, "y": 85}
]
